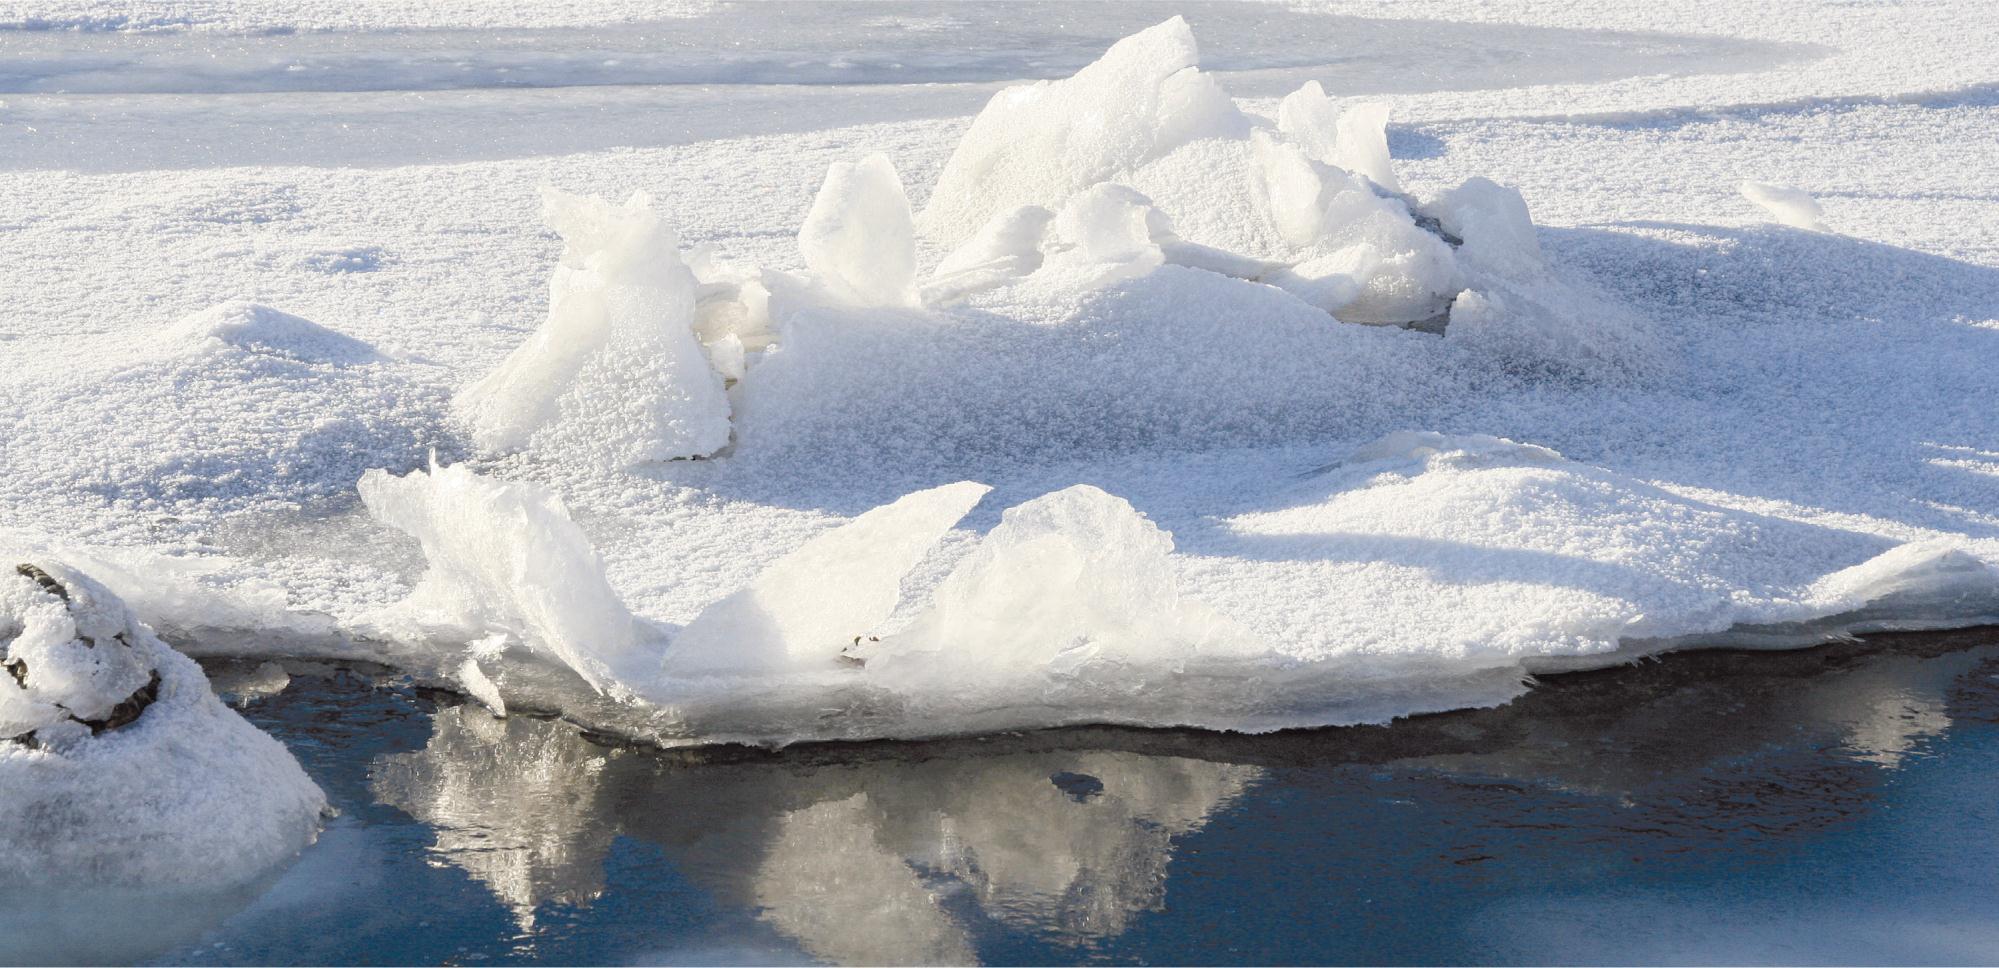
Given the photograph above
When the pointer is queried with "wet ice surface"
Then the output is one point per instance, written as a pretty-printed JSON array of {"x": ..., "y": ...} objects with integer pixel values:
[{"x": 1830, "y": 805}]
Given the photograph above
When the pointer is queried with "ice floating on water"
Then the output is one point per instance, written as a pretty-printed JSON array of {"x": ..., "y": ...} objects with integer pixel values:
[
  {"x": 1497, "y": 558},
  {"x": 118, "y": 765},
  {"x": 1789, "y": 206},
  {"x": 616, "y": 376}
]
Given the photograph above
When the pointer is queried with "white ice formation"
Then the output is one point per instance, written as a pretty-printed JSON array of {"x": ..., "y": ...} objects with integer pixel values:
[
  {"x": 617, "y": 375},
  {"x": 118, "y": 766}
]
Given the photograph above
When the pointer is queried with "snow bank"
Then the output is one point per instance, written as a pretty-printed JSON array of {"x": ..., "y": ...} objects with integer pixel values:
[
  {"x": 616, "y": 376},
  {"x": 119, "y": 768}
]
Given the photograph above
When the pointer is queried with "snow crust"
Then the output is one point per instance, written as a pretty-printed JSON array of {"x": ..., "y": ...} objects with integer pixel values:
[{"x": 169, "y": 790}]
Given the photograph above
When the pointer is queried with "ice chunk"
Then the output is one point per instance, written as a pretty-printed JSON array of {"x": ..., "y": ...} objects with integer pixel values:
[
  {"x": 1363, "y": 144},
  {"x": 615, "y": 376},
  {"x": 1291, "y": 187},
  {"x": 480, "y": 687},
  {"x": 1311, "y": 120},
  {"x": 1492, "y": 223},
  {"x": 505, "y": 557},
  {"x": 1007, "y": 248},
  {"x": 1039, "y": 143},
  {"x": 1789, "y": 206},
  {"x": 803, "y": 609},
  {"x": 1070, "y": 579},
  {"x": 1104, "y": 236},
  {"x": 114, "y": 753},
  {"x": 859, "y": 238}
]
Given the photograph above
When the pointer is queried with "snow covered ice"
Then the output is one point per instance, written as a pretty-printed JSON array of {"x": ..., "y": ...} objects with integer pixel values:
[
  {"x": 1122, "y": 401},
  {"x": 119, "y": 768}
]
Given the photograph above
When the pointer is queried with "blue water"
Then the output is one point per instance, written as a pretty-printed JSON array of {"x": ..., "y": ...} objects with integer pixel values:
[{"x": 1837, "y": 805}]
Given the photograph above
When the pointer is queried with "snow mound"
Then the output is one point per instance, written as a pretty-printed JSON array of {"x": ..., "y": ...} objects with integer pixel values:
[
  {"x": 118, "y": 766},
  {"x": 251, "y": 328},
  {"x": 616, "y": 376},
  {"x": 239, "y": 402}
]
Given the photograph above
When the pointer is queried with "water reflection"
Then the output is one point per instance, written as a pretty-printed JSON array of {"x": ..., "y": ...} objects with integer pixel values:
[
  {"x": 938, "y": 852},
  {"x": 872, "y": 861}
]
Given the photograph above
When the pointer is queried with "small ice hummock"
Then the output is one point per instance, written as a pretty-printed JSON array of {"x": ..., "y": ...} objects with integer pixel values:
[
  {"x": 1072, "y": 580},
  {"x": 616, "y": 376},
  {"x": 1789, "y": 206},
  {"x": 119, "y": 767}
]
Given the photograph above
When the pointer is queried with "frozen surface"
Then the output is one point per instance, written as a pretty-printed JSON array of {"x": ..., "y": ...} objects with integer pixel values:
[{"x": 1365, "y": 401}]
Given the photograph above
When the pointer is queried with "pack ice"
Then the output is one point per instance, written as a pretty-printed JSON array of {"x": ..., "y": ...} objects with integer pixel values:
[{"x": 1153, "y": 411}]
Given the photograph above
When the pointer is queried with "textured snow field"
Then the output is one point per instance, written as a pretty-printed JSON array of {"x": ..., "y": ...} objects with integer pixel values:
[{"x": 1820, "y": 399}]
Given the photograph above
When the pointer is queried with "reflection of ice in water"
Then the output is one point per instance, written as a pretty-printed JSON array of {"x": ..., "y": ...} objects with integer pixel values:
[
  {"x": 828, "y": 883},
  {"x": 514, "y": 804},
  {"x": 1892, "y": 706},
  {"x": 1078, "y": 859},
  {"x": 854, "y": 861}
]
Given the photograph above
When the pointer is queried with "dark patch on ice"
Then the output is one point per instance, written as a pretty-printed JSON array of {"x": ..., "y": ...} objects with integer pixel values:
[{"x": 1081, "y": 787}]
